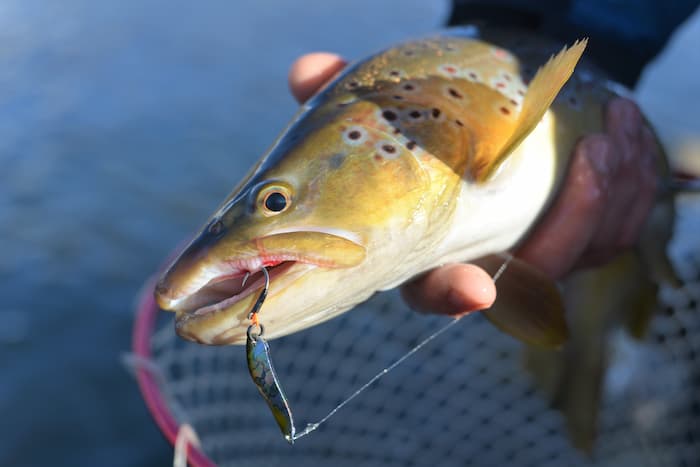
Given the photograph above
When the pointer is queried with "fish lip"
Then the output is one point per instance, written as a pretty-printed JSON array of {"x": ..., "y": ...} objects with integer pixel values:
[
  {"x": 276, "y": 268},
  {"x": 201, "y": 295},
  {"x": 252, "y": 286}
]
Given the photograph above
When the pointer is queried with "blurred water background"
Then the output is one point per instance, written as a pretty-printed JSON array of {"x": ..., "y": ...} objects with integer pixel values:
[{"x": 122, "y": 124}]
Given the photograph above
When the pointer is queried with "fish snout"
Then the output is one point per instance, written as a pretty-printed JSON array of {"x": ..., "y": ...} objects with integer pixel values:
[{"x": 164, "y": 294}]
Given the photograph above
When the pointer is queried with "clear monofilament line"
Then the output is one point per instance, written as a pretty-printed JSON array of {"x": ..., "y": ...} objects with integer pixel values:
[{"x": 313, "y": 426}]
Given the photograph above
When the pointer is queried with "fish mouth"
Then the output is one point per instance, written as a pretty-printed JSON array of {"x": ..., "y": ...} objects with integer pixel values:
[
  {"x": 225, "y": 290},
  {"x": 213, "y": 296}
]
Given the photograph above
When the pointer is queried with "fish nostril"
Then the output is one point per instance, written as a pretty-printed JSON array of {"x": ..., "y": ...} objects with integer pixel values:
[{"x": 216, "y": 227}]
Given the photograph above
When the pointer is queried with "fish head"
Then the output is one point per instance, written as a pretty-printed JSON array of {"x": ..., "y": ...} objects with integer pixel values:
[{"x": 313, "y": 212}]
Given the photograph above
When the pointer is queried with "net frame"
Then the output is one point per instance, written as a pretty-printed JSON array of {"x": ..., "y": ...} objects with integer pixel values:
[{"x": 147, "y": 377}]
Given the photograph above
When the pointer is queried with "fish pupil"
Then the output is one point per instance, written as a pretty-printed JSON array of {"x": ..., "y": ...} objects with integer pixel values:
[{"x": 276, "y": 202}]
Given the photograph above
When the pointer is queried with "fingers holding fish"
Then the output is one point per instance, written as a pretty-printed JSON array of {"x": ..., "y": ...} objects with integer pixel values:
[
  {"x": 453, "y": 289},
  {"x": 311, "y": 71},
  {"x": 648, "y": 186},
  {"x": 632, "y": 187},
  {"x": 563, "y": 235}
]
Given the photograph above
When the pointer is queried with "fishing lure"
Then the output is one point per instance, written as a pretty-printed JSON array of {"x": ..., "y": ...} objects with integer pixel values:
[
  {"x": 262, "y": 371},
  {"x": 265, "y": 378}
]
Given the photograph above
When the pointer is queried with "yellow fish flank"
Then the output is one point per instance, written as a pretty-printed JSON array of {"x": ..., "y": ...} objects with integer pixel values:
[{"x": 442, "y": 149}]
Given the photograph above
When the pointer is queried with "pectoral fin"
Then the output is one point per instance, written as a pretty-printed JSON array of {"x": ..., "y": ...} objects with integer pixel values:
[{"x": 528, "y": 306}]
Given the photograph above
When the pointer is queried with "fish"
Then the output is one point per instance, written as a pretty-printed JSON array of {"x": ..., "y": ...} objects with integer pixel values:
[{"x": 441, "y": 149}]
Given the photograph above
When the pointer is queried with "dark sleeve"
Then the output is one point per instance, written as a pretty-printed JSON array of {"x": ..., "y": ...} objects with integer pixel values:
[{"x": 624, "y": 34}]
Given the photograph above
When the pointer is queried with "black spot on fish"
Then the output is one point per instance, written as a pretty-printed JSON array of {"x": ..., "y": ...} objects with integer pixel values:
[
  {"x": 459, "y": 122},
  {"x": 415, "y": 114},
  {"x": 435, "y": 112},
  {"x": 398, "y": 98},
  {"x": 454, "y": 93},
  {"x": 411, "y": 145},
  {"x": 394, "y": 73},
  {"x": 409, "y": 87},
  {"x": 397, "y": 131},
  {"x": 389, "y": 148},
  {"x": 354, "y": 135},
  {"x": 389, "y": 115},
  {"x": 353, "y": 84}
]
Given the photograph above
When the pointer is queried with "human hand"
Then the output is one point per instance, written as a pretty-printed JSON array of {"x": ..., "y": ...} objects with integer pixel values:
[{"x": 606, "y": 197}]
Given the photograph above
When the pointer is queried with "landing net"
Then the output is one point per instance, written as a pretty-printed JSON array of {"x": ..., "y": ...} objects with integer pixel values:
[{"x": 462, "y": 400}]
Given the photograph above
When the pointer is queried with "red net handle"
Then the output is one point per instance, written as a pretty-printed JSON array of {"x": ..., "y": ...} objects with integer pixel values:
[{"x": 144, "y": 325}]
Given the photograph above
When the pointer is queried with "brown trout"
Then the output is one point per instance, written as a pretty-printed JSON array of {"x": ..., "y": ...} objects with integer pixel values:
[{"x": 437, "y": 150}]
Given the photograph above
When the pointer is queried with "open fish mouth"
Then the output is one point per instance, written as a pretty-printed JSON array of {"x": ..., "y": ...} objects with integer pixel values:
[
  {"x": 225, "y": 290},
  {"x": 211, "y": 295}
]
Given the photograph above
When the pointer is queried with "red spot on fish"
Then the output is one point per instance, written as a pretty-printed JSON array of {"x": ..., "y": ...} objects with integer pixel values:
[
  {"x": 451, "y": 69},
  {"x": 377, "y": 157},
  {"x": 501, "y": 54},
  {"x": 500, "y": 85}
]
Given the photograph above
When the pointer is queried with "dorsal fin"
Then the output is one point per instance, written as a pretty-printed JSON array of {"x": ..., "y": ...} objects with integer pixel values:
[{"x": 541, "y": 92}]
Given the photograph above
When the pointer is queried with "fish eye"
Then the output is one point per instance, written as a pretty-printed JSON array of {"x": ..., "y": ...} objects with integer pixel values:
[
  {"x": 275, "y": 202},
  {"x": 274, "y": 199}
]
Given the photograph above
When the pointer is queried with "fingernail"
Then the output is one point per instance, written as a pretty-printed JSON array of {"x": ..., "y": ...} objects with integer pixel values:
[
  {"x": 630, "y": 118},
  {"x": 461, "y": 304},
  {"x": 597, "y": 151}
]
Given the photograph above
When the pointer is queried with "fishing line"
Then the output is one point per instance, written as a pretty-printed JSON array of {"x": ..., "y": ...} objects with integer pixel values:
[{"x": 313, "y": 426}]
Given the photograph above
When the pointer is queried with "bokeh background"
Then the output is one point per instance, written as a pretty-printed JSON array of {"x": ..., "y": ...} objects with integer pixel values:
[{"x": 122, "y": 124}]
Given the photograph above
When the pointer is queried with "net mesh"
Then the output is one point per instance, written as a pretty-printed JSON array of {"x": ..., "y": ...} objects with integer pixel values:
[{"x": 463, "y": 400}]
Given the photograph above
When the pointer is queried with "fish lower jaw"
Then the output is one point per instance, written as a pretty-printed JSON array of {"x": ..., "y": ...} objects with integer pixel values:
[{"x": 224, "y": 291}]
